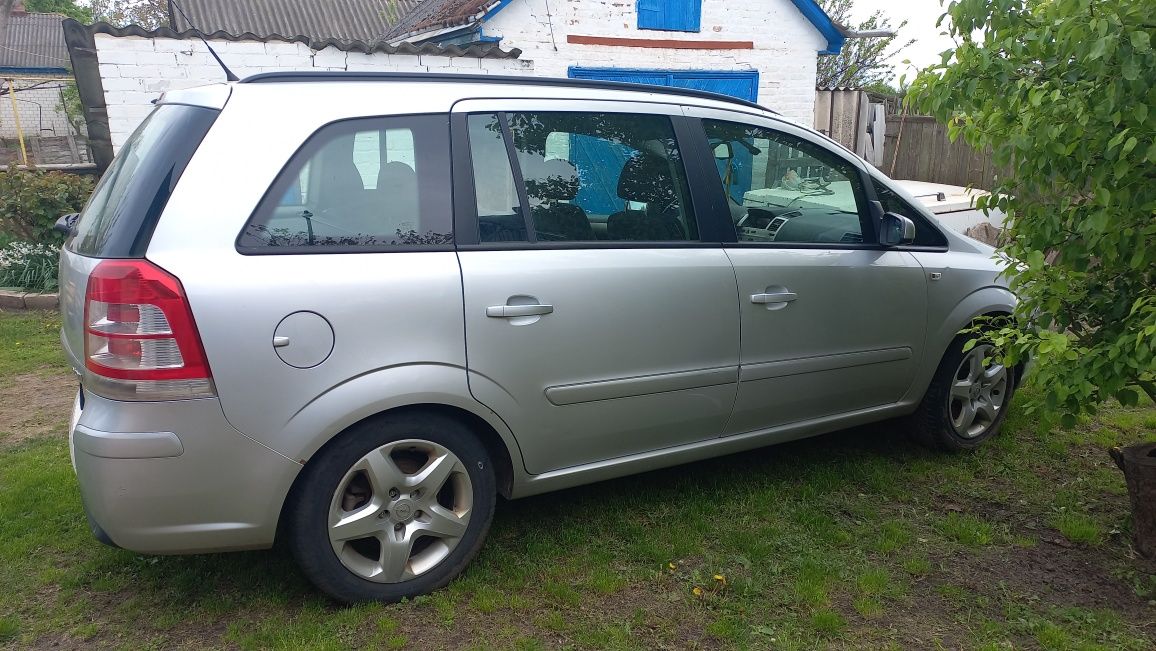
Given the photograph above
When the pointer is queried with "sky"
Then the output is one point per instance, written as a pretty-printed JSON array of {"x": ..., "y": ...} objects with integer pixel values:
[{"x": 921, "y": 16}]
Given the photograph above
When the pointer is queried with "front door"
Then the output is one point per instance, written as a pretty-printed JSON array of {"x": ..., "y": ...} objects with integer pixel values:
[
  {"x": 831, "y": 322},
  {"x": 596, "y": 331}
]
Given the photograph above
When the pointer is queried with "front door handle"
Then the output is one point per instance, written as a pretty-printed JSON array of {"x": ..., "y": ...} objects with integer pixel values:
[
  {"x": 512, "y": 311},
  {"x": 777, "y": 297}
]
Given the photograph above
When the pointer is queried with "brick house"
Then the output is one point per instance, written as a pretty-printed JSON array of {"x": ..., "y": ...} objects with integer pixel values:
[
  {"x": 761, "y": 50},
  {"x": 34, "y": 74}
]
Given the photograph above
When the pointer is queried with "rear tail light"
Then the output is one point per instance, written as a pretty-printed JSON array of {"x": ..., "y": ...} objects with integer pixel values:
[{"x": 140, "y": 340}]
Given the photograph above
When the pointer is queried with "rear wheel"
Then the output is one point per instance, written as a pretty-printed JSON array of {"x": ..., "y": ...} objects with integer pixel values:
[
  {"x": 395, "y": 508},
  {"x": 967, "y": 400}
]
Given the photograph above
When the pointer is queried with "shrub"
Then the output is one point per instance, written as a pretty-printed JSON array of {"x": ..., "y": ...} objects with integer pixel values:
[
  {"x": 33, "y": 267},
  {"x": 31, "y": 202},
  {"x": 1061, "y": 90}
]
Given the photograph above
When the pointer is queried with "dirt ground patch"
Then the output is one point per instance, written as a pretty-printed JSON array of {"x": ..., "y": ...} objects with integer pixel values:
[
  {"x": 1060, "y": 576},
  {"x": 35, "y": 404}
]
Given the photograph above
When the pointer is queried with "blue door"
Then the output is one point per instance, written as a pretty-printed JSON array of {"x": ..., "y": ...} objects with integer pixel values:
[{"x": 741, "y": 84}]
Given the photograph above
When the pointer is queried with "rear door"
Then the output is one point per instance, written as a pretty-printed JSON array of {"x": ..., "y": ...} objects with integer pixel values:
[
  {"x": 832, "y": 323},
  {"x": 596, "y": 331}
]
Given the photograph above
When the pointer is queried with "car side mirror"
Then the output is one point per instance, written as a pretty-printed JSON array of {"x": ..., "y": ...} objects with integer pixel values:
[
  {"x": 66, "y": 223},
  {"x": 895, "y": 230}
]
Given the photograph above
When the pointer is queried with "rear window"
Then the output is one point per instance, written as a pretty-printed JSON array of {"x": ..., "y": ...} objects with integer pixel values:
[{"x": 123, "y": 210}]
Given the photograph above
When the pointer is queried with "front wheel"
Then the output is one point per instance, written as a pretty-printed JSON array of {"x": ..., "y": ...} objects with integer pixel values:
[
  {"x": 395, "y": 508},
  {"x": 967, "y": 400}
]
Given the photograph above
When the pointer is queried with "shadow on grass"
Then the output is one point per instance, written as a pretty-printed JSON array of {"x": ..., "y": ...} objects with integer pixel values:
[{"x": 529, "y": 534}]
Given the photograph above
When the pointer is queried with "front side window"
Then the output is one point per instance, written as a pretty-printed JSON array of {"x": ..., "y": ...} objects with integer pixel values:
[
  {"x": 378, "y": 182},
  {"x": 784, "y": 189},
  {"x": 925, "y": 234},
  {"x": 586, "y": 177}
]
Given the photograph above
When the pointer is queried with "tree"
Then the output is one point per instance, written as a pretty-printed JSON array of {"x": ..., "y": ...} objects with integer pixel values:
[
  {"x": 65, "y": 7},
  {"x": 1061, "y": 90},
  {"x": 149, "y": 14},
  {"x": 862, "y": 62}
]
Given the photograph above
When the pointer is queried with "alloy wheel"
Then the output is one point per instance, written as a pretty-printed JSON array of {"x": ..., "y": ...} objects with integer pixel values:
[
  {"x": 978, "y": 391},
  {"x": 400, "y": 510}
]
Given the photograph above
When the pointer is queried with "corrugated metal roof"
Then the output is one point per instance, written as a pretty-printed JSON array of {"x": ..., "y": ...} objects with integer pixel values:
[
  {"x": 475, "y": 50},
  {"x": 320, "y": 20},
  {"x": 438, "y": 14},
  {"x": 34, "y": 41}
]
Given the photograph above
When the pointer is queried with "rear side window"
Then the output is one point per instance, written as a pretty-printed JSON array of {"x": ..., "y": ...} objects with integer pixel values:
[
  {"x": 365, "y": 184},
  {"x": 123, "y": 210},
  {"x": 579, "y": 177}
]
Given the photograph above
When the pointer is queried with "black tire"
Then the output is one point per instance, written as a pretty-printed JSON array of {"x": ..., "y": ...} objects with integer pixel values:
[
  {"x": 307, "y": 526},
  {"x": 932, "y": 426}
]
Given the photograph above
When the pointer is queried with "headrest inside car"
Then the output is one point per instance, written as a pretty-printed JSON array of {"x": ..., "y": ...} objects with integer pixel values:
[
  {"x": 549, "y": 180},
  {"x": 646, "y": 178}
]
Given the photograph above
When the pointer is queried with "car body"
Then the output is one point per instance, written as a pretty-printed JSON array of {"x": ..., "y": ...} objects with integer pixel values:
[{"x": 240, "y": 329}]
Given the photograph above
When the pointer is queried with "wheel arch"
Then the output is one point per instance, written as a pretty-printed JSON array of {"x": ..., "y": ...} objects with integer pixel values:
[
  {"x": 987, "y": 301},
  {"x": 500, "y": 455}
]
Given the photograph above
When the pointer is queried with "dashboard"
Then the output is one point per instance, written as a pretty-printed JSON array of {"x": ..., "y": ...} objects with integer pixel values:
[{"x": 793, "y": 224}]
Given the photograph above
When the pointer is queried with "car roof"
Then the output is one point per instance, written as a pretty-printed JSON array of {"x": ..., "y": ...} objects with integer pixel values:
[{"x": 341, "y": 76}]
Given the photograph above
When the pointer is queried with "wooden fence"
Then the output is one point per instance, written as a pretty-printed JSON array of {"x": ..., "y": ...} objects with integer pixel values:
[
  {"x": 914, "y": 147},
  {"x": 917, "y": 147}
]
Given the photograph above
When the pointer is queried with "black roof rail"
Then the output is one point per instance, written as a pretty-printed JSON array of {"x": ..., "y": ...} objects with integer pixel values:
[{"x": 337, "y": 75}]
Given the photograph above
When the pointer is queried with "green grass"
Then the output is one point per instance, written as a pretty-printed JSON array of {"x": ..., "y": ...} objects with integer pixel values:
[
  {"x": 1078, "y": 528},
  {"x": 854, "y": 540},
  {"x": 29, "y": 341},
  {"x": 967, "y": 529}
]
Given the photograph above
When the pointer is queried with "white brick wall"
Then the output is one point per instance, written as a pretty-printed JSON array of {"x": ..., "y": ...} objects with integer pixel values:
[
  {"x": 785, "y": 50},
  {"x": 135, "y": 71},
  {"x": 39, "y": 107}
]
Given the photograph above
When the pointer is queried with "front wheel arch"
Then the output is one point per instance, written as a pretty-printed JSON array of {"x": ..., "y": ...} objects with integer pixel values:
[{"x": 931, "y": 422}]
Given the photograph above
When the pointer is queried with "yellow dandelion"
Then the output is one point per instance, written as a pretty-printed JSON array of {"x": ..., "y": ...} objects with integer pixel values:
[
  {"x": 698, "y": 592},
  {"x": 672, "y": 566},
  {"x": 720, "y": 578}
]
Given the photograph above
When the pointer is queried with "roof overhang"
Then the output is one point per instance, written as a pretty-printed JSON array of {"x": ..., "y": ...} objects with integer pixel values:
[{"x": 822, "y": 22}]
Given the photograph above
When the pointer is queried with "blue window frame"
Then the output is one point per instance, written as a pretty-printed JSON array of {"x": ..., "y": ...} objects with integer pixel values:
[{"x": 670, "y": 15}]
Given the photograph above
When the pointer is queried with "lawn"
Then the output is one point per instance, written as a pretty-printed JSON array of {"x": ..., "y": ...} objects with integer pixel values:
[{"x": 853, "y": 540}]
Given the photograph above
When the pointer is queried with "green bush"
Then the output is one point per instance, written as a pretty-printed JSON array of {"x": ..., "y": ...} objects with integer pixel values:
[
  {"x": 31, "y": 202},
  {"x": 28, "y": 266}
]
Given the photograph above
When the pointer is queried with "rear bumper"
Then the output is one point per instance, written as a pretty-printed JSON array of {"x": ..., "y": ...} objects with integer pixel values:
[{"x": 175, "y": 477}]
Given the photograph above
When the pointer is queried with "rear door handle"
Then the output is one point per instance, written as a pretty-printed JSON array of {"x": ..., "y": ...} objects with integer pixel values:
[
  {"x": 512, "y": 311},
  {"x": 778, "y": 297}
]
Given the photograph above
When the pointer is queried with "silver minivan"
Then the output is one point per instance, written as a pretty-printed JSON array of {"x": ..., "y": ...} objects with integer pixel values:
[{"x": 349, "y": 311}]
